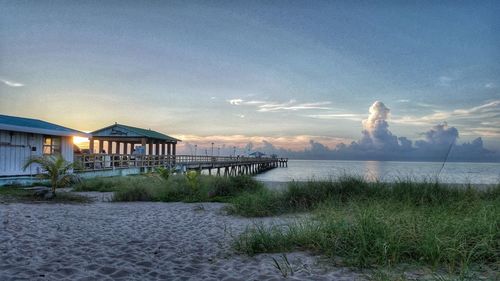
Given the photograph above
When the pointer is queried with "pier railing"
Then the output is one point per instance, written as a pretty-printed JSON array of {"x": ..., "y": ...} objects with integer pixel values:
[{"x": 89, "y": 162}]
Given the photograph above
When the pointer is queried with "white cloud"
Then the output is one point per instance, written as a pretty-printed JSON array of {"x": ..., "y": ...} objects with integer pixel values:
[
  {"x": 235, "y": 101},
  {"x": 482, "y": 119},
  {"x": 334, "y": 116},
  {"x": 11, "y": 83},
  {"x": 291, "y": 105}
]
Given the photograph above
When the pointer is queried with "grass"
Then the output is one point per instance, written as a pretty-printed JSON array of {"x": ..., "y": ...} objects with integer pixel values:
[
  {"x": 377, "y": 224},
  {"x": 16, "y": 194},
  {"x": 152, "y": 187}
]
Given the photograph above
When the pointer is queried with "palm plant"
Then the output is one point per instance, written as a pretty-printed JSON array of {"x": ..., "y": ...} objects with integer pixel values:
[
  {"x": 56, "y": 167},
  {"x": 164, "y": 173}
]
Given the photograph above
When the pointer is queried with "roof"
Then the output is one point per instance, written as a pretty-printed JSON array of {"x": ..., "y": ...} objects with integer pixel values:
[
  {"x": 28, "y": 125},
  {"x": 120, "y": 130}
]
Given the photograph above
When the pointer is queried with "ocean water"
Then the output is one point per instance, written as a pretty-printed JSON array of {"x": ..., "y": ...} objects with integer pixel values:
[{"x": 453, "y": 172}]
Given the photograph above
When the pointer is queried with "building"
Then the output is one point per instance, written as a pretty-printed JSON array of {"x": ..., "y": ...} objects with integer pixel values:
[
  {"x": 21, "y": 138},
  {"x": 123, "y": 139}
]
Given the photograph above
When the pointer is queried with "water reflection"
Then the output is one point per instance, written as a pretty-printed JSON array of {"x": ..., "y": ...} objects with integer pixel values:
[{"x": 372, "y": 170}]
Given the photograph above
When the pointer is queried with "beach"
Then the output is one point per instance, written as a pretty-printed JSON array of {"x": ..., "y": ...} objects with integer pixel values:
[{"x": 139, "y": 241}]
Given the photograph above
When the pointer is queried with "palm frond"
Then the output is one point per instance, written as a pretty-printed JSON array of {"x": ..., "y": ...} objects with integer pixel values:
[{"x": 56, "y": 169}]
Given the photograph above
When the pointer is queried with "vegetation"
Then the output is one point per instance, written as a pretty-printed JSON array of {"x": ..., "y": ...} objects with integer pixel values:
[
  {"x": 192, "y": 187},
  {"x": 378, "y": 224},
  {"x": 56, "y": 170},
  {"x": 352, "y": 221},
  {"x": 15, "y": 194}
]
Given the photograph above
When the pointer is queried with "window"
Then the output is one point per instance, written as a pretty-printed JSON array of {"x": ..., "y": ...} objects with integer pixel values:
[{"x": 51, "y": 145}]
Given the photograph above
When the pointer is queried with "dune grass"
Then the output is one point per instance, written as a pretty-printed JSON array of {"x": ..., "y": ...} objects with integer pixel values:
[
  {"x": 177, "y": 188},
  {"x": 307, "y": 196},
  {"x": 377, "y": 224}
]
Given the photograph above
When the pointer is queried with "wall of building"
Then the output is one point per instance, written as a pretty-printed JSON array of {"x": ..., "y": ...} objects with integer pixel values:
[{"x": 17, "y": 147}]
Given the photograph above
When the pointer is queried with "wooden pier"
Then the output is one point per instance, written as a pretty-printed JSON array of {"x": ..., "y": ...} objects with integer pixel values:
[{"x": 218, "y": 165}]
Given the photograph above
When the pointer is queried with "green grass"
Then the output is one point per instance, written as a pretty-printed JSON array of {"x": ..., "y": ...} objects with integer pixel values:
[
  {"x": 15, "y": 194},
  {"x": 176, "y": 188},
  {"x": 376, "y": 224},
  {"x": 306, "y": 196}
]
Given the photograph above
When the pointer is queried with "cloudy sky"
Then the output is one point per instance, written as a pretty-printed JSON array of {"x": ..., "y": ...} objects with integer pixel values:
[{"x": 232, "y": 72}]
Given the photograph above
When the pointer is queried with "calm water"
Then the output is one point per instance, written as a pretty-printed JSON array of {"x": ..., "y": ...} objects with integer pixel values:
[{"x": 300, "y": 170}]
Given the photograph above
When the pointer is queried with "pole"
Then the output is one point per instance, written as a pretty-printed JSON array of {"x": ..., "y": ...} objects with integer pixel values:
[{"x": 212, "y": 149}]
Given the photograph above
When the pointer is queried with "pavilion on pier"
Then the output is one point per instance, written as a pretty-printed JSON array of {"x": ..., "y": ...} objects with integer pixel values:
[{"x": 123, "y": 139}]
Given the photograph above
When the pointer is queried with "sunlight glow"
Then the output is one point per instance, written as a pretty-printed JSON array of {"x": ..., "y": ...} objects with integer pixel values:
[{"x": 79, "y": 140}]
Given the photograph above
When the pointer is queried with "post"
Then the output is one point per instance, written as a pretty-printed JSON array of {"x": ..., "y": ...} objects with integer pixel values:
[
  {"x": 164, "y": 149},
  {"x": 110, "y": 147},
  {"x": 151, "y": 144},
  {"x": 157, "y": 148},
  {"x": 91, "y": 145},
  {"x": 169, "y": 148},
  {"x": 100, "y": 146},
  {"x": 173, "y": 148}
]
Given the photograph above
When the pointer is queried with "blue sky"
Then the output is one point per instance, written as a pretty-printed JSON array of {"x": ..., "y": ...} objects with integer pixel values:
[{"x": 232, "y": 72}]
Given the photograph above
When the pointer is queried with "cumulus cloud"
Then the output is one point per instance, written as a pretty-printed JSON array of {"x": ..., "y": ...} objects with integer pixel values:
[
  {"x": 11, "y": 83},
  {"x": 376, "y": 132},
  {"x": 379, "y": 143}
]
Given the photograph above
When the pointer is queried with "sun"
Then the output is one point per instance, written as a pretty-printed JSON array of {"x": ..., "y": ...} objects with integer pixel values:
[{"x": 79, "y": 140}]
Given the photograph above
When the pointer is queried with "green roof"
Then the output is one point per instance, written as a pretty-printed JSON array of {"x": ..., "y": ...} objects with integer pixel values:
[
  {"x": 29, "y": 125},
  {"x": 147, "y": 133}
]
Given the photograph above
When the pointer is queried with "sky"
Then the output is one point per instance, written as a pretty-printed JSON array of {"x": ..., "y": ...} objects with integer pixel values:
[{"x": 291, "y": 74}]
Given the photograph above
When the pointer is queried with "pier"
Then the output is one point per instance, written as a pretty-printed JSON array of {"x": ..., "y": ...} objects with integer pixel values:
[{"x": 123, "y": 164}]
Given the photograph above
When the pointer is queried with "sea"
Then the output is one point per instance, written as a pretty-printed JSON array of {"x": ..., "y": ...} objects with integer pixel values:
[{"x": 387, "y": 171}]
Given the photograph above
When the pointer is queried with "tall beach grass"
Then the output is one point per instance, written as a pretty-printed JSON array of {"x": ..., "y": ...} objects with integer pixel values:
[
  {"x": 152, "y": 187},
  {"x": 379, "y": 224}
]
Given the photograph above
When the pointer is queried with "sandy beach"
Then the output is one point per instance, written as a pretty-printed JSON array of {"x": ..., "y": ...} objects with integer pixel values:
[{"x": 138, "y": 241}]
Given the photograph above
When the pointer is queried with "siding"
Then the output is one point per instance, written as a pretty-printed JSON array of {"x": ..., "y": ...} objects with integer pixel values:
[{"x": 15, "y": 148}]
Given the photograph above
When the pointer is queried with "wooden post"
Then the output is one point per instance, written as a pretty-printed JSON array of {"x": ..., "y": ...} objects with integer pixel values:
[
  {"x": 169, "y": 148},
  {"x": 100, "y": 146},
  {"x": 91, "y": 145},
  {"x": 151, "y": 143},
  {"x": 164, "y": 149},
  {"x": 173, "y": 148},
  {"x": 157, "y": 148},
  {"x": 143, "y": 144},
  {"x": 109, "y": 147}
]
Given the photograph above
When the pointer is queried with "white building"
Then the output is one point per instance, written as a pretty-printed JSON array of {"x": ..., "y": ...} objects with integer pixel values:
[{"x": 21, "y": 138}]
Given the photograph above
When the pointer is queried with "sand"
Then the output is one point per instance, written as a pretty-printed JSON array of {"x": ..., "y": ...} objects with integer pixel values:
[{"x": 138, "y": 241}]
